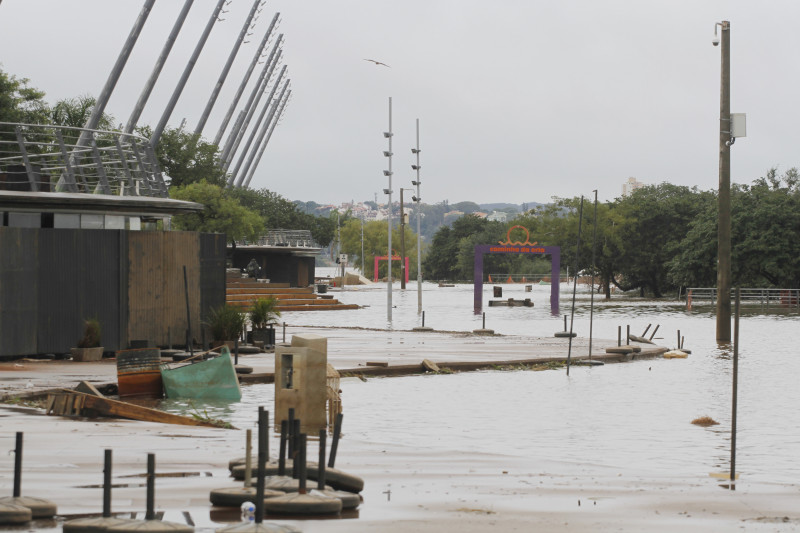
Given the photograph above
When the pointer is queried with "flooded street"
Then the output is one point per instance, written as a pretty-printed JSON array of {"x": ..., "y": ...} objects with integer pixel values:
[{"x": 631, "y": 417}]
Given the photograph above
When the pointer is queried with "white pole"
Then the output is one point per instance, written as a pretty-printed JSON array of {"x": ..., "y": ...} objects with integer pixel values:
[
  {"x": 419, "y": 238},
  {"x": 389, "y": 174}
]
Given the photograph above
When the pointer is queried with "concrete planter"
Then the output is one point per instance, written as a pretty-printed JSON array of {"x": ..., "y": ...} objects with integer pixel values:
[{"x": 86, "y": 354}]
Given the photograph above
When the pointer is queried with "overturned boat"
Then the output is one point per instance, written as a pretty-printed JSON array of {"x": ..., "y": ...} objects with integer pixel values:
[{"x": 209, "y": 379}]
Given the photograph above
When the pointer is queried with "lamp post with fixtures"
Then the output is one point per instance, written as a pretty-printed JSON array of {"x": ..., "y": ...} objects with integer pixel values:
[
  {"x": 403, "y": 274},
  {"x": 417, "y": 200},
  {"x": 388, "y": 174}
]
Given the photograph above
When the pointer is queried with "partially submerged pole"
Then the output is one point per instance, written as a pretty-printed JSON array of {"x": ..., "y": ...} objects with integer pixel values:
[
  {"x": 337, "y": 433},
  {"x": 107, "y": 484},
  {"x": 735, "y": 395},
  {"x": 188, "y": 314},
  {"x": 594, "y": 268},
  {"x": 150, "y": 514},
  {"x": 575, "y": 284},
  {"x": 18, "y": 466},
  {"x": 262, "y": 463}
]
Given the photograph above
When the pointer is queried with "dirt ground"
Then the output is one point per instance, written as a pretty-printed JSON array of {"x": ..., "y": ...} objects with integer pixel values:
[{"x": 405, "y": 489}]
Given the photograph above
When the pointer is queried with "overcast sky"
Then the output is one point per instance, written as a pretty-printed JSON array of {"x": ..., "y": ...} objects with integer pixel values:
[{"x": 518, "y": 100}]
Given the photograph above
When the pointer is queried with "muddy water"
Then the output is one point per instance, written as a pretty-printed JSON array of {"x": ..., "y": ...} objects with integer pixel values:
[{"x": 629, "y": 417}]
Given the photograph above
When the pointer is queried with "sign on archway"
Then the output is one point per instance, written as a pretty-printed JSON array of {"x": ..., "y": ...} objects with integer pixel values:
[{"x": 518, "y": 247}]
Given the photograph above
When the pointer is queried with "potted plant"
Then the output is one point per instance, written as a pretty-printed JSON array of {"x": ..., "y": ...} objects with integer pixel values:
[
  {"x": 263, "y": 315},
  {"x": 89, "y": 348},
  {"x": 226, "y": 324}
]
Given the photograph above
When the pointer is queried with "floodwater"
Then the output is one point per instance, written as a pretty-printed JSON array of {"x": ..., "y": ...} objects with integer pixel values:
[{"x": 633, "y": 417}]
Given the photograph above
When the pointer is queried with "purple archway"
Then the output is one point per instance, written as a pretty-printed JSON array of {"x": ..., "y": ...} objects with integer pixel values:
[{"x": 555, "y": 259}]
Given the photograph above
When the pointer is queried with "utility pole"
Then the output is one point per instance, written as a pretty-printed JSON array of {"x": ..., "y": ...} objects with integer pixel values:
[{"x": 724, "y": 198}]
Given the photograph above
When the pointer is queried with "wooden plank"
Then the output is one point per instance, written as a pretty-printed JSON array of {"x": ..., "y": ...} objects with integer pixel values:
[
  {"x": 58, "y": 407},
  {"x": 108, "y": 407},
  {"x": 88, "y": 388},
  {"x": 51, "y": 398}
]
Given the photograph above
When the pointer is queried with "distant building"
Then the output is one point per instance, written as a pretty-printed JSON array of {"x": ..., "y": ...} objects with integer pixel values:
[
  {"x": 631, "y": 185},
  {"x": 498, "y": 216}
]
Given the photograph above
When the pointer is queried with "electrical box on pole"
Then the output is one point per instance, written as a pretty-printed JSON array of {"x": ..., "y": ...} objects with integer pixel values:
[{"x": 738, "y": 125}]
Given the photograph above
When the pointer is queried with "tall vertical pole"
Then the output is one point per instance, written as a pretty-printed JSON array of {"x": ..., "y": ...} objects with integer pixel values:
[
  {"x": 402, "y": 243},
  {"x": 724, "y": 199},
  {"x": 227, "y": 68},
  {"x": 389, "y": 174},
  {"x": 246, "y": 78},
  {"x": 419, "y": 232},
  {"x": 162, "y": 58},
  {"x": 574, "y": 284},
  {"x": 735, "y": 397},
  {"x": 594, "y": 268},
  {"x": 162, "y": 123},
  {"x": 362, "y": 245}
]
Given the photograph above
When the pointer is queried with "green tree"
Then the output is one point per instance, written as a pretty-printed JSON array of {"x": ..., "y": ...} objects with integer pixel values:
[
  {"x": 765, "y": 251},
  {"x": 75, "y": 112},
  {"x": 376, "y": 244},
  {"x": 452, "y": 253},
  {"x": 654, "y": 221},
  {"x": 222, "y": 214},
  {"x": 279, "y": 213},
  {"x": 19, "y": 102},
  {"x": 186, "y": 158}
]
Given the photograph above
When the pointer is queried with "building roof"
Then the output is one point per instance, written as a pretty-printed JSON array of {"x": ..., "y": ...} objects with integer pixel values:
[{"x": 65, "y": 202}]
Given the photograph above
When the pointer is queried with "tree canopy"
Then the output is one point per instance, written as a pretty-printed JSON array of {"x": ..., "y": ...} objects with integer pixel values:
[
  {"x": 19, "y": 102},
  {"x": 223, "y": 214}
]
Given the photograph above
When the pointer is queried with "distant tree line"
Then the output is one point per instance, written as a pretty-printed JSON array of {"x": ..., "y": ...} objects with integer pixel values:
[{"x": 656, "y": 240}]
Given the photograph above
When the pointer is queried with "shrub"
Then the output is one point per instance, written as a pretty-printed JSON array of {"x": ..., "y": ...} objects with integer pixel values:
[{"x": 91, "y": 334}]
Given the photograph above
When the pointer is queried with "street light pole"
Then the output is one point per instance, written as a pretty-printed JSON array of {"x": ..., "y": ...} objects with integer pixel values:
[
  {"x": 417, "y": 200},
  {"x": 724, "y": 198},
  {"x": 388, "y": 173},
  {"x": 402, "y": 243}
]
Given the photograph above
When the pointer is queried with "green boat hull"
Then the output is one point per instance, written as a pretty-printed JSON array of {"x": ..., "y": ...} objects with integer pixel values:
[{"x": 212, "y": 379}]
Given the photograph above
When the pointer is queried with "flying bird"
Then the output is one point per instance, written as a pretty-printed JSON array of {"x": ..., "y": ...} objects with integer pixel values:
[{"x": 377, "y": 62}]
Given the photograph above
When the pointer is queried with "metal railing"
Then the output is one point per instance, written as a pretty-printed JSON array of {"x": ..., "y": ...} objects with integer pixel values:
[
  {"x": 777, "y": 298},
  {"x": 48, "y": 158},
  {"x": 294, "y": 238}
]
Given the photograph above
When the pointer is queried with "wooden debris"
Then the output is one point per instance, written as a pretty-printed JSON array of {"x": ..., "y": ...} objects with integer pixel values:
[
  {"x": 430, "y": 366},
  {"x": 643, "y": 340},
  {"x": 72, "y": 403},
  {"x": 88, "y": 388}
]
